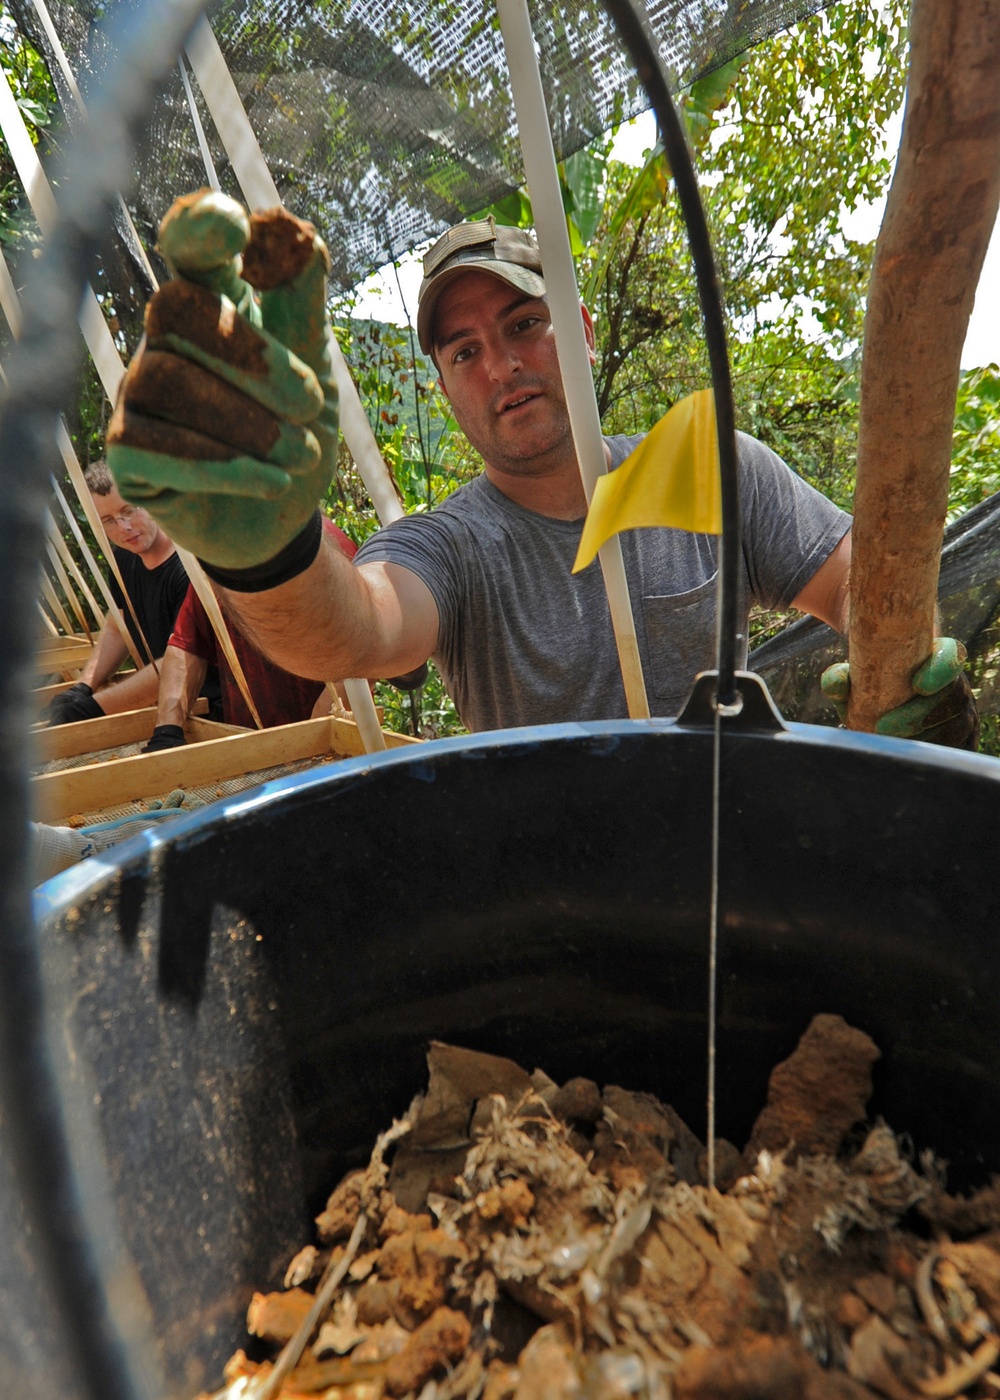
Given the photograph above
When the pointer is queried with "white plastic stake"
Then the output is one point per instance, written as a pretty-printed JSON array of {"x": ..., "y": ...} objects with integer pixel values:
[
  {"x": 110, "y": 370},
  {"x": 62, "y": 578},
  {"x": 95, "y": 329},
  {"x": 206, "y": 155},
  {"x": 10, "y": 305}
]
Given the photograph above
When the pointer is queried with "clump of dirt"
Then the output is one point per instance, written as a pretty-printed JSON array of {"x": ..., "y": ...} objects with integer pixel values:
[{"x": 532, "y": 1241}]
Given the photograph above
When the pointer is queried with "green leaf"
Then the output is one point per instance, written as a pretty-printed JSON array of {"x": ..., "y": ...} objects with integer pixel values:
[
  {"x": 514, "y": 210},
  {"x": 646, "y": 191},
  {"x": 584, "y": 177},
  {"x": 34, "y": 112},
  {"x": 715, "y": 88}
]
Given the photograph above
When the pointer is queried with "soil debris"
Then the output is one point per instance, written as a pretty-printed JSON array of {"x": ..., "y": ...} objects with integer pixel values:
[
  {"x": 817, "y": 1094},
  {"x": 514, "y": 1239}
]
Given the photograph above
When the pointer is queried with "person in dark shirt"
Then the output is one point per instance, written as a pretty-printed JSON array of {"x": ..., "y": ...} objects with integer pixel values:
[
  {"x": 280, "y": 697},
  {"x": 157, "y": 584}
]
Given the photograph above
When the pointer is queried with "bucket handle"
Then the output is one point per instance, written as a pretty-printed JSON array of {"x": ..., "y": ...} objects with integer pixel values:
[{"x": 633, "y": 28}]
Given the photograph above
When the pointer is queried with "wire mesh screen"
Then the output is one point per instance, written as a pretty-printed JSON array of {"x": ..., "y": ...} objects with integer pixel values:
[
  {"x": 193, "y": 795},
  {"x": 384, "y": 121}
]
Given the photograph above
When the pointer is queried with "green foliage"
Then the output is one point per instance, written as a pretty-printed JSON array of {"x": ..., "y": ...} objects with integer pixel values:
[
  {"x": 427, "y": 713},
  {"x": 582, "y": 182},
  {"x": 802, "y": 145},
  {"x": 427, "y": 458},
  {"x": 649, "y": 189},
  {"x": 975, "y": 460},
  {"x": 37, "y": 101},
  {"x": 785, "y": 143},
  {"x": 24, "y": 68},
  {"x": 407, "y": 411},
  {"x": 989, "y": 735},
  {"x": 581, "y": 185},
  {"x": 975, "y": 475},
  {"x": 801, "y": 401}
]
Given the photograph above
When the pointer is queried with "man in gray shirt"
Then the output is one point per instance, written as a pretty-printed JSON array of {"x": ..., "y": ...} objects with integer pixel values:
[
  {"x": 483, "y": 583},
  {"x": 523, "y": 640},
  {"x": 519, "y": 638}
]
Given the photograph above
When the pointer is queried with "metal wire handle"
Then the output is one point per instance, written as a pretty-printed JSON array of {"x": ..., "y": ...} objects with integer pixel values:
[
  {"x": 633, "y": 27},
  {"x": 635, "y": 31}
]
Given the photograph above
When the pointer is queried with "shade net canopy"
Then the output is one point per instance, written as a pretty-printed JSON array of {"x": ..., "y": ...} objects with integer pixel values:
[{"x": 385, "y": 121}]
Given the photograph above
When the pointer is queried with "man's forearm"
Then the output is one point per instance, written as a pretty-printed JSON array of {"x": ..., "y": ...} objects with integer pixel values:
[
  {"x": 106, "y": 657},
  {"x": 135, "y": 692},
  {"x": 181, "y": 677},
  {"x": 333, "y": 620}
]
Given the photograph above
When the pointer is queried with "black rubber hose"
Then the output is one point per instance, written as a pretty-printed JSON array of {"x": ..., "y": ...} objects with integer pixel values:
[
  {"x": 633, "y": 27},
  {"x": 110, "y": 1350}
]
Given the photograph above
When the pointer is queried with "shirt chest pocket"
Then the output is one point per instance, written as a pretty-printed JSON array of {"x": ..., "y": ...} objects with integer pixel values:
[{"x": 680, "y": 634}]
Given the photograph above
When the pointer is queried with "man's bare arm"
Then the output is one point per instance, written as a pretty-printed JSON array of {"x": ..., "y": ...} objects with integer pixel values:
[
  {"x": 107, "y": 656},
  {"x": 827, "y": 594},
  {"x": 133, "y": 692},
  {"x": 136, "y": 691},
  {"x": 336, "y": 620},
  {"x": 181, "y": 677}
]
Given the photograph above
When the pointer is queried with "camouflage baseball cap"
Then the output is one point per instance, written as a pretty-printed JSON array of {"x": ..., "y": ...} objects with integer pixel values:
[{"x": 482, "y": 246}]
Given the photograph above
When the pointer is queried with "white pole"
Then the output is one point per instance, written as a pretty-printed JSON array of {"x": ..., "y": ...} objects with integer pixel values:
[
  {"x": 10, "y": 305},
  {"x": 564, "y": 304},
  {"x": 95, "y": 329},
  {"x": 199, "y": 130}
]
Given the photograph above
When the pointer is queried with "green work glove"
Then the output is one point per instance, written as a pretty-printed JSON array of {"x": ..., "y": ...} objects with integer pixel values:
[
  {"x": 943, "y": 708},
  {"x": 226, "y": 425}
]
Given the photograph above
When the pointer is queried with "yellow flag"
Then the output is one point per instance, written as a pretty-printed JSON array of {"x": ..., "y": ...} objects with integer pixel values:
[{"x": 672, "y": 478}]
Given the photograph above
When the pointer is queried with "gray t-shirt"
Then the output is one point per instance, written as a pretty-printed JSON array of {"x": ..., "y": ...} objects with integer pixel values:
[{"x": 523, "y": 640}]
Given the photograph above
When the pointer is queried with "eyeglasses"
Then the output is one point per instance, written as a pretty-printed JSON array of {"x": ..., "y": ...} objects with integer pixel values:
[{"x": 124, "y": 517}]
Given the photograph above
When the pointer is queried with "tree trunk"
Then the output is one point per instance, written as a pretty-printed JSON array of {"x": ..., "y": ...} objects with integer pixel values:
[{"x": 941, "y": 209}]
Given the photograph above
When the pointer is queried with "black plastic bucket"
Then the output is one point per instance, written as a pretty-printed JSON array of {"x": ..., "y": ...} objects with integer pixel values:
[{"x": 246, "y": 1001}]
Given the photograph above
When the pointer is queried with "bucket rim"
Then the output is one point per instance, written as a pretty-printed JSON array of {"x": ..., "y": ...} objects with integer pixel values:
[{"x": 57, "y": 895}]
